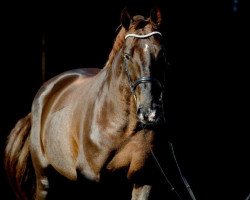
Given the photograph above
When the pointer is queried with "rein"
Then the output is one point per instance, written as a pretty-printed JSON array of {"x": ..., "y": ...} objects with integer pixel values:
[
  {"x": 133, "y": 86},
  {"x": 184, "y": 180}
]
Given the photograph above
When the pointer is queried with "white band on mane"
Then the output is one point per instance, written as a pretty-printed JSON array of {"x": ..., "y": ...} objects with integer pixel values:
[{"x": 142, "y": 36}]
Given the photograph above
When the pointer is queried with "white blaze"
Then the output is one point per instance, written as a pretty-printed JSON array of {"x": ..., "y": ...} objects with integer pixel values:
[{"x": 146, "y": 47}]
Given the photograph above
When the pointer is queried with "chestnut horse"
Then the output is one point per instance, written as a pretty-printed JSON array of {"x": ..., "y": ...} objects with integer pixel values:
[{"x": 89, "y": 120}]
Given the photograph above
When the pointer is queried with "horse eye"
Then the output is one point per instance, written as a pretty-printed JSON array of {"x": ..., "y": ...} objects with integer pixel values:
[
  {"x": 161, "y": 57},
  {"x": 127, "y": 56},
  {"x": 161, "y": 54}
]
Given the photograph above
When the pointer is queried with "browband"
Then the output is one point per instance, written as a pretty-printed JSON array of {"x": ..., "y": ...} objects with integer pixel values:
[{"x": 142, "y": 36}]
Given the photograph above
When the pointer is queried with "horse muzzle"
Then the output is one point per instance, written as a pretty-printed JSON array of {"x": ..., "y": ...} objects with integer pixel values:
[{"x": 149, "y": 115}]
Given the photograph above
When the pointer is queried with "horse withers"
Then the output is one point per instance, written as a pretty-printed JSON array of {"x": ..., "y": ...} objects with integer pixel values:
[{"x": 87, "y": 121}]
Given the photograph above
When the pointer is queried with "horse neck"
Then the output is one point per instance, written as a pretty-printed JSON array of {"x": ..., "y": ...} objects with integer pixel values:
[{"x": 119, "y": 100}]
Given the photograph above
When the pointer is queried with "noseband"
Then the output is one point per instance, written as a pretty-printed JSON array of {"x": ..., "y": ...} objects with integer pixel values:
[{"x": 143, "y": 79}]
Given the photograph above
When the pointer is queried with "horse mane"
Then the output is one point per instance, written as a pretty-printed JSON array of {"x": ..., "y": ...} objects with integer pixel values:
[{"x": 119, "y": 40}]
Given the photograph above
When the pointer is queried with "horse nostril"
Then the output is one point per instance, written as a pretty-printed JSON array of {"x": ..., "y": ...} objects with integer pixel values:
[
  {"x": 139, "y": 110},
  {"x": 140, "y": 113},
  {"x": 152, "y": 115}
]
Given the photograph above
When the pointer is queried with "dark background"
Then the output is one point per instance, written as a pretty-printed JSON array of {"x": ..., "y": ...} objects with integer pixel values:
[{"x": 208, "y": 93}]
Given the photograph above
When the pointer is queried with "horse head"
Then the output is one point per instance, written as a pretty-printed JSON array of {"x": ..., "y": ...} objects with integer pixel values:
[{"x": 144, "y": 63}]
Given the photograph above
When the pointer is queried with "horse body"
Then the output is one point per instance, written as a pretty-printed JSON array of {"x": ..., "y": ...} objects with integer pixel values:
[
  {"x": 86, "y": 120},
  {"x": 59, "y": 134}
]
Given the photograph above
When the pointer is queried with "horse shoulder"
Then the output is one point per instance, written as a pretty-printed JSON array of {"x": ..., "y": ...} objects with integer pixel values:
[{"x": 53, "y": 135}]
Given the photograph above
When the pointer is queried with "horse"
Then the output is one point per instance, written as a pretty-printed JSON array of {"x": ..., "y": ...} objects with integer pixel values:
[{"x": 87, "y": 121}]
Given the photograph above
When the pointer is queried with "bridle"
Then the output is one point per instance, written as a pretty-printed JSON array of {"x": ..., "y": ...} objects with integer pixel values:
[
  {"x": 146, "y": 79},
  {"x": 143, "y": 79}
]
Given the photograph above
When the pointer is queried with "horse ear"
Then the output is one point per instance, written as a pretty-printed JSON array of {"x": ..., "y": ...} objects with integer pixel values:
[
  {"x": 125, "y": 18},
  {"x": 156, "y": 16}
]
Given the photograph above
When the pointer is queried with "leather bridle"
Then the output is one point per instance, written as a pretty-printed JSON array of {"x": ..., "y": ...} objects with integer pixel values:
[
  {"x": 143, "y": 79},
  {"x": 146, "y": 79}
]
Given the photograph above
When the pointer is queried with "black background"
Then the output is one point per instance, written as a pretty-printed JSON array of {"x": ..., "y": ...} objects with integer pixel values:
[{"x": 206, "y": 42}]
